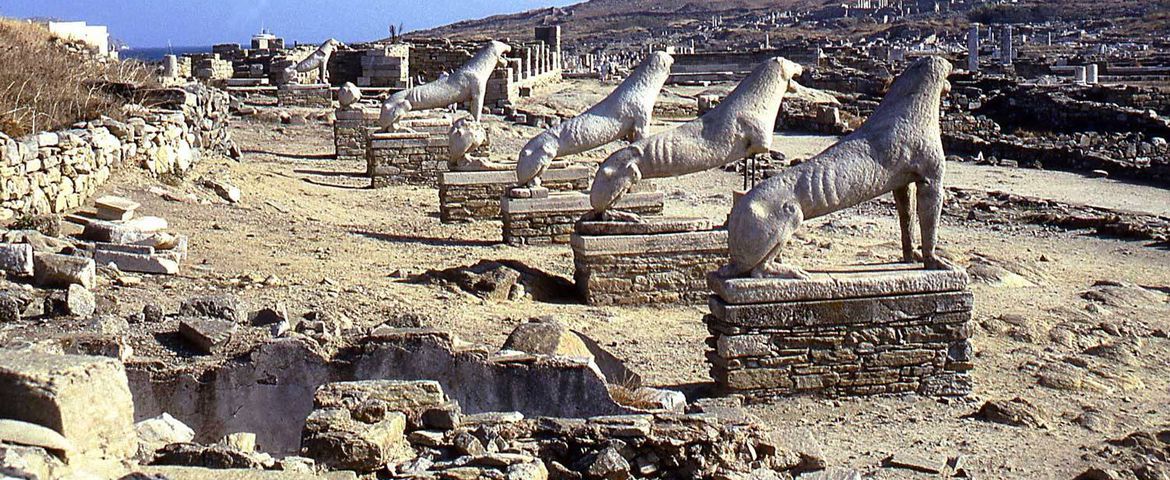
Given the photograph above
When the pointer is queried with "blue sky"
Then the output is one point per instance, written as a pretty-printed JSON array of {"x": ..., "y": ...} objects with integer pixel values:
[{"x": 154, "y": 23}]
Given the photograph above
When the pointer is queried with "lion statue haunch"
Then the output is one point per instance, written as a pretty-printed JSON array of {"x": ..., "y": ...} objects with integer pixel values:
[
  {"x": 740, "y": 126},
  {"x": 899, "y": 145},
  {"x": 466, "y": 84},
  {"x": 624, "y": 114},
  {"x": 319, "y": 59}
]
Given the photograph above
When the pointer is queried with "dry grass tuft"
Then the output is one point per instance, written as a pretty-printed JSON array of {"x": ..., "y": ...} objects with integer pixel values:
[{"x": 48, "y": 84}]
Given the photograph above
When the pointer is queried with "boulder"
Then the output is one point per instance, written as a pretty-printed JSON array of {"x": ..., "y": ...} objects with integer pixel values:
[
  {"x": 546, "y": 337},
  {"x": 85, "y": 399},
  {"x": 335, "y": 439},
  {"x": 208, "y": 335},
  {"x": 155, "y": 433}
]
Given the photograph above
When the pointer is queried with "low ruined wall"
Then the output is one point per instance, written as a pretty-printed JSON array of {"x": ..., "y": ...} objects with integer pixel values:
[
  {"x": 351, "y": 132},
  {"x": 413, "y": 158},
  {"x": 651, "y": 269},
  {"x": 469, "y": 196},
  {"x": 277, "y": 381},
  {"x": 52, "y": 172},
  {"x": 550, "y": 220},
  {"x": 316, "y": 96}
]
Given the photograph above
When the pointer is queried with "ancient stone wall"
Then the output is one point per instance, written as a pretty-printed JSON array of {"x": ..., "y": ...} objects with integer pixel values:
[
  {"x": 351, "y": 131},
  {"x": 414, "y": 158},
  {"x": 52, "y": 172},
  {"x": 317, "y": 96},
  {"x": 858, "y": 343},
  {"x": 550, "y": 220},
  {"x": 650, "y": 269},
  {"x": 468, "y": 196}
]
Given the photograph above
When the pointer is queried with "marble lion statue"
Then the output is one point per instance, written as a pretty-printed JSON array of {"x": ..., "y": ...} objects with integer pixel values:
[
  {"x": 319, "y": 59},
  {"x": 740, "y": 126},
  {"x": 898, "y": 146},
  {"x": 468, "y": 84},
  {"x": 624, "y": 114}
]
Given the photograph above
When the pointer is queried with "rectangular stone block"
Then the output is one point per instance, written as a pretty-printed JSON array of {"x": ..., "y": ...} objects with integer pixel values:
[
  {"x": 850, "y": 282},
  {"x": 85, "y": 399},
  {"x": 647, "y": 269}
]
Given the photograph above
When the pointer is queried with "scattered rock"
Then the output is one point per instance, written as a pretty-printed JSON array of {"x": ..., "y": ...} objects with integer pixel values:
[
  {"x": 335, "y": 439},
  {"x": 208, "y": 335},
  {"x": 1016, "y": 412},
  {"x": 914, "y": 462},
  {"x": 609, "y": 465},
  {"x": 155, "y": 433},
  {"x": 546, "y": 337},
  {"x": 33, "y": 435},
  {"x": 224, "y": 189},
  {"x": 269, "y": 315},
  {"x": 226, "y": 307},
  {"x": 52, "y": 270}
]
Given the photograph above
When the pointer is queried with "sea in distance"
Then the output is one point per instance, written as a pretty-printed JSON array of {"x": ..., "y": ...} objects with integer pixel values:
[{"x": 156, "y": 54}]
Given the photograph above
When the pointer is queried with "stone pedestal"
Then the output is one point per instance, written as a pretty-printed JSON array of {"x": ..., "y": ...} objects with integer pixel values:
[
  {"x": 351, "y": 131},
  {"x": 318, "y": 95},
  {"x": 542, "y": 221},
  {"x": 409, "y": 157},
  {"x": 857, "y": 331},
  {"x": 664, "y": 260},
  {"x": 469, "y": 196}
]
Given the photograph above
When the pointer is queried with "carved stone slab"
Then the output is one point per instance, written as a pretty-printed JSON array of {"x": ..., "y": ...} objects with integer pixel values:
[
  {"x": 648, "y": 226},
  {"x": 851, "y": 282}
]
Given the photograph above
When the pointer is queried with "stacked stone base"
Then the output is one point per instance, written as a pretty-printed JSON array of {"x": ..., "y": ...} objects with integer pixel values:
[
  {"x": 470, "y": 196},
  {"x": 409, "y": 157},
  {"x": 863, "y": 332},
  {"x": 615, "y": 264},
  {"x": 351, "y": 131},
  {"x": 313, "y": 95},
  {"x": 544, "y": 221}
]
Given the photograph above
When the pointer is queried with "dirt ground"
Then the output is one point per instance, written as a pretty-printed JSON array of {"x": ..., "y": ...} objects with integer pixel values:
[{"x": 309, "y": 233}]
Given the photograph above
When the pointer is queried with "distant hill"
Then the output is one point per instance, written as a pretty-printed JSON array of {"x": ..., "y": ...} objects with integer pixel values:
[
  {"x": 604, "y": 20},
  {"x": 594, "y": 18}
]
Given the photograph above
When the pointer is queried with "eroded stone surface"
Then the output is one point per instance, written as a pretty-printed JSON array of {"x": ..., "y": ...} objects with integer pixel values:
[{"x": 86, "y": 399}]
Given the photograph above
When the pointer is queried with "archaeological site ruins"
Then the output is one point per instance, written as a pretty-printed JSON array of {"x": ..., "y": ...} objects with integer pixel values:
[{"x": 751, "y": 239}]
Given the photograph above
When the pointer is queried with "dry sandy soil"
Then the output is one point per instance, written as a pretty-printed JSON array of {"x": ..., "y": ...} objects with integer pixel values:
[{"x": 328, "y": 242}]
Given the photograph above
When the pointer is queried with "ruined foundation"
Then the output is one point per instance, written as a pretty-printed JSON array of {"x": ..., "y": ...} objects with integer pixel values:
[
  {"x": 543, "y": 221},
  {"x": 859, "y": 331},
  {"x": 410, "y": 157},
  {"x": 351, "y": 131},
  {"x": 312, "y": 95},
  {"x": 469, "y": 196},
  {"x": 663, "y": 261}
]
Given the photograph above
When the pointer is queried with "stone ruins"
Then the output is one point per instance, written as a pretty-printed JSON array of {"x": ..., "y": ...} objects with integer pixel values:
[{"x": 830, "y": 242}]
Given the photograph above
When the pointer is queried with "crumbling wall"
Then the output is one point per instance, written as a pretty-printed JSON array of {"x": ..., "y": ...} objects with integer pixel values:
[
  {"x": 52, "y": 172},
  {"x": 278, "y": 379}
]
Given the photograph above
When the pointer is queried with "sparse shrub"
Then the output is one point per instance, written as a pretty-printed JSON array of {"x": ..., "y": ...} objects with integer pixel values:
[{"x": 47, "y": 83}]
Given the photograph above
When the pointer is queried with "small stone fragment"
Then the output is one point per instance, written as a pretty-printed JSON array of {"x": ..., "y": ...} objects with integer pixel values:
[{"x": 207, "y": 335}]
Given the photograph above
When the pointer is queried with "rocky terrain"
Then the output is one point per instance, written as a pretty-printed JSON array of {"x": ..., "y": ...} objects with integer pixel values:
[{"x": 1072, "y": 314}]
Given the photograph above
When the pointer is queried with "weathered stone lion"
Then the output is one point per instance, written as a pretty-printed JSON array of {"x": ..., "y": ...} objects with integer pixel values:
[
  {"x": 319, "y": 59},
  {"x": 900, "y": 144},
  {"x": 466, "y": 84},
  {"x": 742, "y": 125},
  {"x": 467, "y": 146},
  {"x": 624, "y": 114}
]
